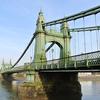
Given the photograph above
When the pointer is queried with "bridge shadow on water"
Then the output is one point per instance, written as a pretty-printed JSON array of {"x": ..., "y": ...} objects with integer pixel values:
[{"x": 61, "y": 86}]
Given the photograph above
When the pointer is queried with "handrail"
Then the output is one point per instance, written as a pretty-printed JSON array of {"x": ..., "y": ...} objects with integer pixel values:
[{"x": 83, "y": 54}]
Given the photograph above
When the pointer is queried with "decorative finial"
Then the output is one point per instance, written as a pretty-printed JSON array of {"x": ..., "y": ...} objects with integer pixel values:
[
  {"x": 40, "y": 22},
  {"x": 3, "y": 63},
  {"x": 40, "y": 13}
]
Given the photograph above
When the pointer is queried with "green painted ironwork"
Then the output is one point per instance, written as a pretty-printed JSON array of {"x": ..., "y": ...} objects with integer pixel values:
[
  {"x": 87, "y": 61},
  {"x": 93, "y": 28},
  {"x": 43, "y": 36},
  {"x": 82, "y": 14}
]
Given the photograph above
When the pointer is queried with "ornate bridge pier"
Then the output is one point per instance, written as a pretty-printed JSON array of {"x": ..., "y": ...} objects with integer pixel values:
[
  {"x": 30, "y": 76},
  {"x": 56, "y": 86},
  {"x": 59, "y": 86}
]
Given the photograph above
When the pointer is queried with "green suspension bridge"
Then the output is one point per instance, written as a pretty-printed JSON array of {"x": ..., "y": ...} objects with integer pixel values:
[{"x": 78, "y": 41}]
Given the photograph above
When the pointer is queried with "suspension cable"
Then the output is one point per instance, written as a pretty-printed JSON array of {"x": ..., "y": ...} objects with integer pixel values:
[
  {"x": 24, "y": 51},
  {"x": 98, "y": 39},
  {"x": 75, "y": 16},
  {"x": 96, "y": 31},
  {"x": 75, "y": 37},
  {"x": 84, "y": 36},
  {"x": 91, "y": 40},
  {"x": 78, "y": 41}
]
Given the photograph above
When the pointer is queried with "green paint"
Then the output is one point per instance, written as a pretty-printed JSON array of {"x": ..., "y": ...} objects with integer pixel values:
[{"x": 44, "y": 36}]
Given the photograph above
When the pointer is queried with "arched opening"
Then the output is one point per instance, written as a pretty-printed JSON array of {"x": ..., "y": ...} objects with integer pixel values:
[{"x": 54, "y": 51}]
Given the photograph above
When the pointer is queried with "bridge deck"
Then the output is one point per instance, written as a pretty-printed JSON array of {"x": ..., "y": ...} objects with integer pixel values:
[{"x": 88, "y": 62}]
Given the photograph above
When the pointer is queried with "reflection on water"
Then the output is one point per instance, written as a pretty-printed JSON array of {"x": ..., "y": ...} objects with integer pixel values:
[
  {"x": 91, "y": 90},
  {"x": 88, "y": 90},
  {"x": 10, "y": 91},
  {"x": 6, "y": 92}
]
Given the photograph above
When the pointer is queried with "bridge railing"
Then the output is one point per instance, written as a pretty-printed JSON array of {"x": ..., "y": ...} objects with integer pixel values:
[
  {"x": 90, "y": 55},
  {"x": 82, "y": 60},
  {"x": 89, "y": 60}
]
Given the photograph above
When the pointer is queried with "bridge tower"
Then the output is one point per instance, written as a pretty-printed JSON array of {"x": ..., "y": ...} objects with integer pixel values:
[
  {"x": 44, "y": 36},
  {"x": 40, "y": 40},
  {"x": 3, "y": 65},
  {"x": 66, "y": 37}
]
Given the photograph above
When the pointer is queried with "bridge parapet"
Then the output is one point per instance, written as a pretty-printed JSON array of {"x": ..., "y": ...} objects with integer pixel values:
[{"x": 87, "y": 60}]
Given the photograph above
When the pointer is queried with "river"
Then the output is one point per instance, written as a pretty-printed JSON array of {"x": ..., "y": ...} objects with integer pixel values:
[{"x": 90, "y": 90}]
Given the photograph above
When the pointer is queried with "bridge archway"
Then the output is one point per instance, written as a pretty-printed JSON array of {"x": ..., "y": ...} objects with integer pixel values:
[
  {"x": 58, "y": 41},
  {"x": 44, "y": 36},
  {"x": 51, "y": 52}
]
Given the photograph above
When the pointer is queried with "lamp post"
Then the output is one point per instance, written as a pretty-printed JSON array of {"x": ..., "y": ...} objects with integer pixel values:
[
  {"x": 52, "y": 57},
  {"x": 30, "y": 61},
  {"x": 52, "y": 53}
]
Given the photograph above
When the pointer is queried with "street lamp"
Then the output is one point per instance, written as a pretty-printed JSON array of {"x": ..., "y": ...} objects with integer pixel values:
[
  {"x": 52, "y": 57},
  {"x": 52, "y": 53},
  {"x": 30, "y": 61}
]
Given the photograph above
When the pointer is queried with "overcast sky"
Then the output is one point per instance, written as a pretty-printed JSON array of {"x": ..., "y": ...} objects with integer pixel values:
[{"x": 18, "y": 20}]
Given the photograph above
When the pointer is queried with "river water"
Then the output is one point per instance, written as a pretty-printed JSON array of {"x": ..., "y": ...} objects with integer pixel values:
[{"x": 90, "y": 90}]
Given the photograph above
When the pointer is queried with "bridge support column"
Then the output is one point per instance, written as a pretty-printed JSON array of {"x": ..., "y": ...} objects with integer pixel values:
[
  {"x": 30, "y": 76},
  {"x": 65, "y": 52},
  {"x": 40, "y": 54},
  {"x": 59, "y": 86}
]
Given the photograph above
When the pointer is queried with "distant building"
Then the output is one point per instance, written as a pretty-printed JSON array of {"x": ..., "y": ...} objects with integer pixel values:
[{"x": 84, "y": 74}]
